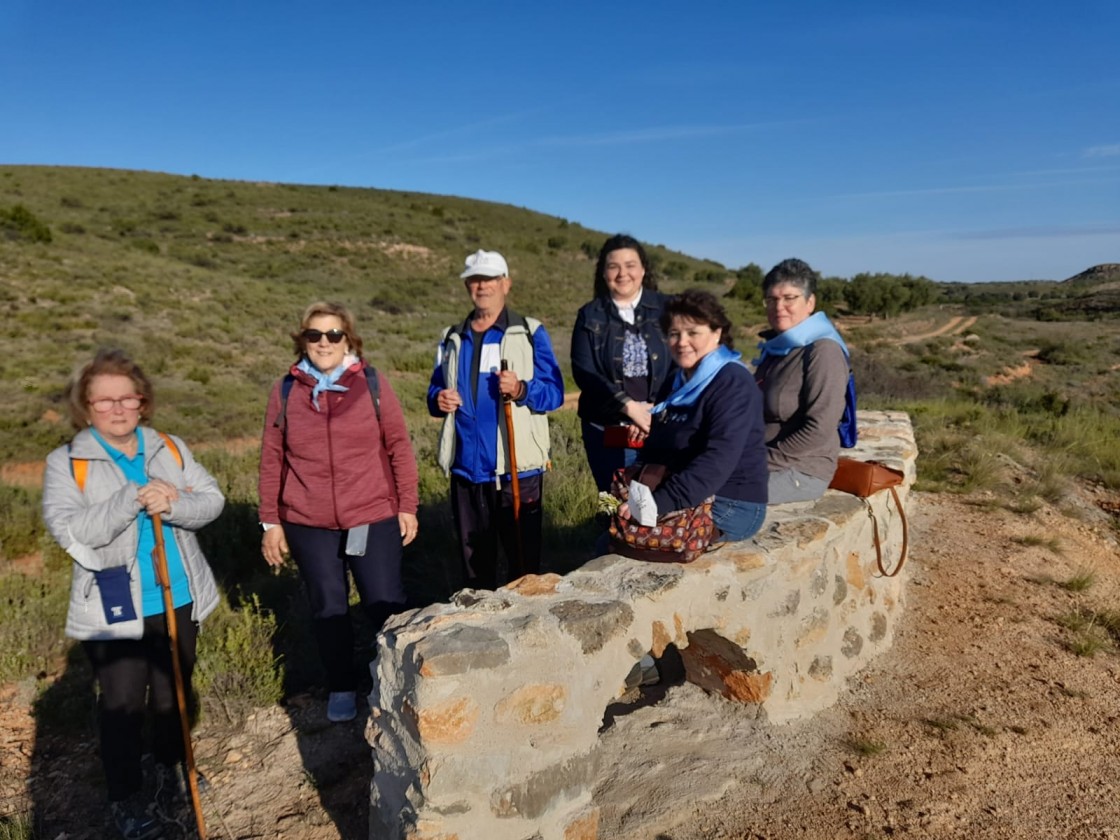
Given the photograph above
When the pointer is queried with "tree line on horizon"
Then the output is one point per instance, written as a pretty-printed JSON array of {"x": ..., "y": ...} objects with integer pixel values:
[{"x": 867, "y": 293}]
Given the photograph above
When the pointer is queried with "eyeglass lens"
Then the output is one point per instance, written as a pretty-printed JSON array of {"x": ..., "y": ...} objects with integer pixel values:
[{"x": 106, "y": 405}]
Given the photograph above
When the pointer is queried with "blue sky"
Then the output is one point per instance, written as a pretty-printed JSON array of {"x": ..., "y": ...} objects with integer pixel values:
[{"x": 960, "y": 140}]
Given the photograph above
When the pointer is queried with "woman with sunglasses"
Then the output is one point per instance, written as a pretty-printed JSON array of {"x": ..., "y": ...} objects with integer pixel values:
[
  {"x": 338, "y": 488},
  {"x": 100, "y": 494},
  {"x": 803, "y": 374}
]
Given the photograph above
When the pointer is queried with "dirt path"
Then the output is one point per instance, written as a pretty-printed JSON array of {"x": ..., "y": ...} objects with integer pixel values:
[
  {"x": 954, "y": 326},
  {"x": 977, "y": 723}
]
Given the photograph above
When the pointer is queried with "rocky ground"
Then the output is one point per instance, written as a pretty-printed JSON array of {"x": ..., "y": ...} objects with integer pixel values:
[{"x": 979, "y": 722}]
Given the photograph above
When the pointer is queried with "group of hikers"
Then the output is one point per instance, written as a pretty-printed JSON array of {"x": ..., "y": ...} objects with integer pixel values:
[{"x": 660, "y": 383}]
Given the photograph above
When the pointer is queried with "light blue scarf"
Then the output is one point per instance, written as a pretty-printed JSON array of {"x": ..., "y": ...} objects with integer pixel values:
[
  {"x": 325, "y": 381},
  {"x": 813, "y": 328},
  {"x": 686, "y": 392}
]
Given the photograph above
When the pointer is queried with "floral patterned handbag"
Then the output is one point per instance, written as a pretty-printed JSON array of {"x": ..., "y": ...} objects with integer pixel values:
[{"x": 678, "y": 537}]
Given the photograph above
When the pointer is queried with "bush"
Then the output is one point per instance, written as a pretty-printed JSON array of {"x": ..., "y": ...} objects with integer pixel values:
[
  {"x": 19, "y": 223},
  {"x": 237, "y": 667}
]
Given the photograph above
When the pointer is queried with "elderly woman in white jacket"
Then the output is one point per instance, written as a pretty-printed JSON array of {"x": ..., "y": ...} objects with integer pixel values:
[{"x": 100, "y": 493}]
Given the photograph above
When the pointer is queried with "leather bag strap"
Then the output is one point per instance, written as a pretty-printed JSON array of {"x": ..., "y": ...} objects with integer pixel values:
[{"x": 878, "y": 544}]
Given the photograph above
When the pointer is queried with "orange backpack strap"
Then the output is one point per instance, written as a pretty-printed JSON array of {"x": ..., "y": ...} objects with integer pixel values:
[
  {"x": 174, "y": 449},
  {"x": 79, "y": 467}
]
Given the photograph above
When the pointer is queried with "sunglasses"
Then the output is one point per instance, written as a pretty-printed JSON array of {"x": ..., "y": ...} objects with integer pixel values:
[{"x": 313, "y": 336}]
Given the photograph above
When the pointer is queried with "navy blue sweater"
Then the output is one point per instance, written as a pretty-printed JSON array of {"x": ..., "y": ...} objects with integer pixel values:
[{"x": 716, "y": 446}]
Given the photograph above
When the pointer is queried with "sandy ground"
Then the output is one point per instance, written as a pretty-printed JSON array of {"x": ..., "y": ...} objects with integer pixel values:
[{"x": 978, "y": 722}]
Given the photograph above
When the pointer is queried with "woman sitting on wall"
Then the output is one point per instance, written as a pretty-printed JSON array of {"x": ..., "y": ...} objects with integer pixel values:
[
  {"x": 709, "y": 431},
  {"x": 803, "y": 374}
]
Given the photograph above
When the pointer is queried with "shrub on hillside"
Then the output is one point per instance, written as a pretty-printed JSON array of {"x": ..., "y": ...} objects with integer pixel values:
[{"x": 20, "y": 224}]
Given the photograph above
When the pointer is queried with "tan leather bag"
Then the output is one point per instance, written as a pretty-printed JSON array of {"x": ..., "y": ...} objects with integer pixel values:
[{"x": 864, "y": 479}]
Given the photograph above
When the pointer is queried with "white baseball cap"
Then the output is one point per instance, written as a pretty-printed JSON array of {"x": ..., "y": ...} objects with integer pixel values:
[{"x": 485, "y": 264}]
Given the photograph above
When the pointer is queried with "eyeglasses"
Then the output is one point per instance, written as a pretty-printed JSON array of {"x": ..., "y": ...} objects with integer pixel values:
[
  {"x": 786, "y": 300},
  {"x": 314, "y": 336},
  {"x": 479, "y": 279},
  {"x": 104, "y": 406}
]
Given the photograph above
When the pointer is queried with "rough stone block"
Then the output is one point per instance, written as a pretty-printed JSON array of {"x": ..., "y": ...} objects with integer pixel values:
[
  {"x": 856, "y": 578},
  {"x": 583, "y": 827},
  {"x": 789, "y": 605},
  {"x": 531, "y": 585},
  {"x": 821, "y": 668},
  {"x": 818, "y": 581},
  {"x": 840, "y": 592},
  {"x": 661, "y": 640},
  {"x": 744, "y": 560},
  {"x": 450, "y": 722},
  {"x": 537, "y": 794},
  {"x": 878, "y": 627},
  {"x": 460, "y": 649},
  {"x": 593, "y": 624},
  {"x": 532, "y": 704},
  {"x": 813, "y": 627},
  {"x": 853, "y": 643},
  {"x": 722, "y": 667},
  {"x": 428, "y": 830}
]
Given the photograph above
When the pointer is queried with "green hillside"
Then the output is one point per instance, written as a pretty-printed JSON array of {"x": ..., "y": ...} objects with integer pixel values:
[{"x": 203, "y": 281}]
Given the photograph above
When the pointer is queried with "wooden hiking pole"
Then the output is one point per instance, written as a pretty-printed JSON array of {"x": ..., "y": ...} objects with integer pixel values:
[
  {"x": 515, "y": 482},
  {"x": 159, "y": 557}
]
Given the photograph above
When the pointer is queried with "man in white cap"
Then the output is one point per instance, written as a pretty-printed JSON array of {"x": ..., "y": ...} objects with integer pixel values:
[{"x": 467, "y": 389}]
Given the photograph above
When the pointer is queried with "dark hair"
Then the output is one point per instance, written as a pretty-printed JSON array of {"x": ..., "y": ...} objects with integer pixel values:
[
  {"x": 109, "y": 361},
  {"x": 701, "y": 307},
  {"x": 322, "y": 307},
  {"x": 617, "y": 243},
  {"x": 794, "y": 272}
]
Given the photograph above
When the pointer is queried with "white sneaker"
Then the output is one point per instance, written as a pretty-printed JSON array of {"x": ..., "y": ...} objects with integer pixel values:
[{"x": 342, "y": 706}]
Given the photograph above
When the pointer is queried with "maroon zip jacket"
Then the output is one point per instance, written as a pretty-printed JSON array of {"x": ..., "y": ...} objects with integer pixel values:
[{"x": 336, "y": 468}]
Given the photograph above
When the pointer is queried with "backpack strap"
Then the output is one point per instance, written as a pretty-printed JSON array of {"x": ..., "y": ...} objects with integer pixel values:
[
  {"x": 373, "y": 383},
  {"x": 79, "y": 467},
  {"x": 175, "y": 453}
]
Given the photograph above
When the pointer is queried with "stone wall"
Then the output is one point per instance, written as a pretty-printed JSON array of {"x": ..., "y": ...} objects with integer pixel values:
[{"x": 486, "y": 710}]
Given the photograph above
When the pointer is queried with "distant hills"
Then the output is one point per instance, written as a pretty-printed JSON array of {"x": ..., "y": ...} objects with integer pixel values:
[{"x": 1096, "y": 276}]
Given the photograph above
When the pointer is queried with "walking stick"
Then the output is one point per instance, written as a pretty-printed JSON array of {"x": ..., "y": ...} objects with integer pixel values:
[
  {"x": 515, "y": 482},
  {"x": 159, "y": 557}
]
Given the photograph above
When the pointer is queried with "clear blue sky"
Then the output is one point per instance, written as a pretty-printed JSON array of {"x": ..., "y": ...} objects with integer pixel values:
[{"x": 973, "y": 140}]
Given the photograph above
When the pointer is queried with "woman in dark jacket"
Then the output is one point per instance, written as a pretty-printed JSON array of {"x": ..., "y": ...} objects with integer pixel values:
[
  {"x": 709, "y": 431},
  {"x": 338, "y": 488},
  {"x": 619, "y": 358}
]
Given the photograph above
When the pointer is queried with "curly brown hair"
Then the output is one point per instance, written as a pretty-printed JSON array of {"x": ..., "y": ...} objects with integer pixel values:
[
  {"x": 109, "y": 361},
  {"x": 322, "y": 307}
]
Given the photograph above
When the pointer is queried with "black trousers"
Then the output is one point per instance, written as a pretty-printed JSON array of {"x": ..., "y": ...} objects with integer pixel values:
[
  {"x": 134, "y": 674},
  {"x": 320, "y": 554},
  {"x": 483, "y": 516}
]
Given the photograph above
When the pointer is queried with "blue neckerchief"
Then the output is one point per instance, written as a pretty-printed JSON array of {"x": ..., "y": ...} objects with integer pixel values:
[
  {"x": 325, "y": 381},
  {"x": 685, "y": 392},
  {"x": 813, "y": 328}
]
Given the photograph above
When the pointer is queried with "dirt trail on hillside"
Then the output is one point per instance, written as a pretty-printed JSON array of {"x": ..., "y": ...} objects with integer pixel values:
[
  {"x": 976, "y": 723},
  {"x": 954, "y": 326}
]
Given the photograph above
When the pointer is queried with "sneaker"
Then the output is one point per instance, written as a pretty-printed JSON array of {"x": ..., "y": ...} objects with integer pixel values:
[
  {"x": 172, "y": 788},
  {"x": 132, "y": 819},
  {"x": 342, "y": 706}
]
